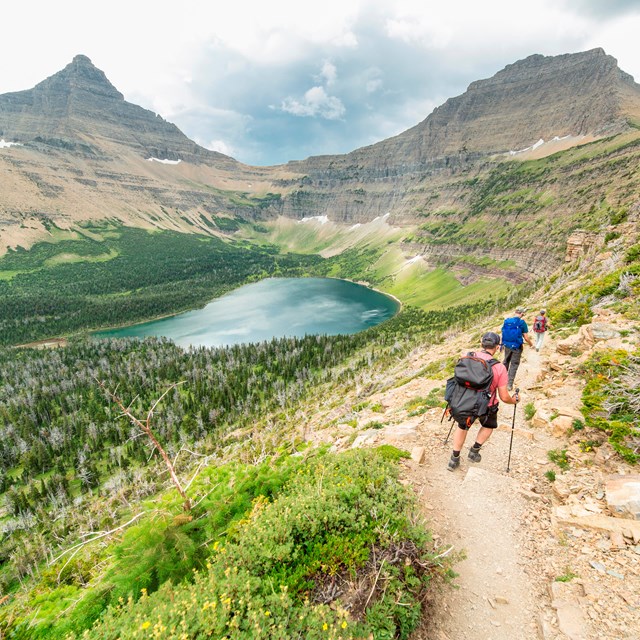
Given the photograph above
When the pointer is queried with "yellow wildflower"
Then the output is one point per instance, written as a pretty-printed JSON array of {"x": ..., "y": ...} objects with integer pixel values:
[{"x": 145, "y": 625}]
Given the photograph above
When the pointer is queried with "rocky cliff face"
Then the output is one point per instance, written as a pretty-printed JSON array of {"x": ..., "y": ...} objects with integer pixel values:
[
  {"x": 450, "y": 180},
  {"x": 538, "y": 98}
]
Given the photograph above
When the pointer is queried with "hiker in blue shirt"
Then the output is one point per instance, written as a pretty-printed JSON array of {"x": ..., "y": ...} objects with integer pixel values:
[{"x": 514, "y": 333}]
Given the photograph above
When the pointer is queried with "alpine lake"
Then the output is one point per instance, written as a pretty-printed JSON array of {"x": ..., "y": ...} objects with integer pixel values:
[{"x": 271, "y": 308}]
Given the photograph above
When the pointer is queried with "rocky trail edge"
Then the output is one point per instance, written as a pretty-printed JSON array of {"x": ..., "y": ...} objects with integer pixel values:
[{"x": 535, "y": 558}]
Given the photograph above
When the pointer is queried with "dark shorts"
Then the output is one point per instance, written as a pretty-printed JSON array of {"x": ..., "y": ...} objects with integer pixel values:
[{"x": 489, "y": 421}]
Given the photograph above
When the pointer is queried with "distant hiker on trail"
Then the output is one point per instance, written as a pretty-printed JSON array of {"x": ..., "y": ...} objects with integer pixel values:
[
  {"x": 514, "y": 332},
  {"x": 540, "y": 327},
  {"x": 484, "y": 405}
]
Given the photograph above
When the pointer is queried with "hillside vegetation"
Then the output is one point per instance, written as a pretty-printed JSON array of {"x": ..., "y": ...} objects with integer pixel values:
[
  {"x": 281, "y": 538},
  {"x": 75, "y": 469}
]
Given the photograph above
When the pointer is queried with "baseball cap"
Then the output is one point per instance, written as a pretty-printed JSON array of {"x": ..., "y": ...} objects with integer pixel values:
[
  {"x": 543, "y": 311},
  {"x": 520, "y": 310},
  {"x": 490, "y": 339}
]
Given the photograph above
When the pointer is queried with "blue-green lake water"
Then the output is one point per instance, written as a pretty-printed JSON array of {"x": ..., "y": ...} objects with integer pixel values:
[{"x": 275, "y": 307}]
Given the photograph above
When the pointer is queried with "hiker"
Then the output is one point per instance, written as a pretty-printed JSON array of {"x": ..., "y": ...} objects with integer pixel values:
[
  {"x": 489, "y": 421},
  {"x": 514, "y": 333},
  {"x": 540, "y": 327}
]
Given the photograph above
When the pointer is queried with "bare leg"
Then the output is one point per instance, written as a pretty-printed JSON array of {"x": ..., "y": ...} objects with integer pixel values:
[
  {"x": 459, "y": 436},
  {"x": 483, "y": 435}
]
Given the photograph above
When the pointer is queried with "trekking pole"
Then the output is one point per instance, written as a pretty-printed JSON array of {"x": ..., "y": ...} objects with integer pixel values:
[
  {"x": 444, "y": 413},
  {"x": 513, "y": 424}
]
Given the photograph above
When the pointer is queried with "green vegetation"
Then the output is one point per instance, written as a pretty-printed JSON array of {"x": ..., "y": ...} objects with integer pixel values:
[
  {"x": 71, "y": 464},
  {"x": 577, "y": 424},
  {"x": 418, "y": 406},
  {"x": 550, "y": 475},
  {"x": 439, "y": 289},
  {"x": 611, "y": 399},
  {"x": 571, "y": 314},
  {"x": 258, "y": 558},
  {"x": 519, "y": 203},
  {"x": 128, "y": 275},
  {"x": 559, "y": 457},
  {"x": 529, "y": 410},
  {"x": 567, "y": 576}
]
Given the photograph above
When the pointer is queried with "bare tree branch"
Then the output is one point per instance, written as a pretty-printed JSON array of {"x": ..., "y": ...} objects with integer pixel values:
[{"x": 145, "y": 427}]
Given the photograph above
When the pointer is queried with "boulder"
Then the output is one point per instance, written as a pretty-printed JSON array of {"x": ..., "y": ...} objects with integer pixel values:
[
  {"x": 602, "y": 331},
  {"x": 588, "y": 335},
  {"x": 571, "y": 619},
  {"x": 623, "y": 495},
  {"x": 561, "y": 426},
  {"x": 418, "y": 454},
  {"x": 401, "y": 431},
  {"x": 569, "y": 346}
]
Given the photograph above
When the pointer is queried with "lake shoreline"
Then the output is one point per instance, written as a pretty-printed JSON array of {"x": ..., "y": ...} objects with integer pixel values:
[
  {"x": 61, "y": 341},
  {"x": 279, "y": 307}
]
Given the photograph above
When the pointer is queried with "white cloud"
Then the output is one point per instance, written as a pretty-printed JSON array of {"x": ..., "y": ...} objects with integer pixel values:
[
  {"x": 221, "y": 147},
  {"x": 316, "y": 102},
  {"x": 329, "y": 73},
  {"x": 373, "y": 85}
]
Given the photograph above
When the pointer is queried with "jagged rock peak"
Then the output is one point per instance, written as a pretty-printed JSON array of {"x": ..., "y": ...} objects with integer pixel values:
[
  {"x": 80, "y": 74},
  {"x": 592, "y": 62},
  {"x": 78, "y": 110}
]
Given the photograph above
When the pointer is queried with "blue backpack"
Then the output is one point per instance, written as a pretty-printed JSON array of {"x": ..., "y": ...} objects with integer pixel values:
[{"x": 512, "y": 333}]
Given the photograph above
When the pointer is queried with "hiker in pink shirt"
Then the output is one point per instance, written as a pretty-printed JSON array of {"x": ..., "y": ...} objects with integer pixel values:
[{"x": 489, "y": 421}]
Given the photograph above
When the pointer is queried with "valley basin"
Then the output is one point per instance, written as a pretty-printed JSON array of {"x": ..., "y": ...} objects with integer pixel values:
[{"x": 271, "y": 308}]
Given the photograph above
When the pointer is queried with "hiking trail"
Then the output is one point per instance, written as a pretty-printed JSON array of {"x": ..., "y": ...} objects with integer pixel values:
[{"x": 525, "y": 572}]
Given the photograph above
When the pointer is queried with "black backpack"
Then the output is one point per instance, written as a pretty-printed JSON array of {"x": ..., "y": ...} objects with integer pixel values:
[{"x": 467, "y": 392}]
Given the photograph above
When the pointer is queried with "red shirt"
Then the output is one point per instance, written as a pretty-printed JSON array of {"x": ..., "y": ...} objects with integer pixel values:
[{"x": 500, "y": 377}]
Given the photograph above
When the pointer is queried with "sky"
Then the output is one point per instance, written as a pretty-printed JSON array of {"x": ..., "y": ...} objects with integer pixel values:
[{"x": 271, "y": 81}]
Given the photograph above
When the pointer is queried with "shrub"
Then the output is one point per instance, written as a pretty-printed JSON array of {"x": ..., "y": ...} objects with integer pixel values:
[
  {"x": 417, "y": 406},
  {"x": 567, "y": 576},
  {"x": 611, "y": 399},
  {"x": 612, "y": 235},
  {"x": 341, "y": 520},
  {"x": 633, "y": 254},
  {"x": 529, "y": 410},
  {"x": 619, "y": 216},
  {"x": 559, "y": 458}
]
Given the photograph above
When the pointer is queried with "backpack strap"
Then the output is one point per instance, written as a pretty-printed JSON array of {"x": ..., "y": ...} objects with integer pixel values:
[{"x": 495, "y": 391}]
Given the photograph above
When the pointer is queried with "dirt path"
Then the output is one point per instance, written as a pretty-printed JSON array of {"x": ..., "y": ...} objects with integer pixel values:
[
  {"x": 533, "y": 568},
  {"x": 479, "y": 509}
]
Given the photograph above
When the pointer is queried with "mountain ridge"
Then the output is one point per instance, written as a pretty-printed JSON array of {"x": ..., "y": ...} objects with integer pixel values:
[
  {"x": 455, "y": 162},
  {"x": 592, "y": 74}
]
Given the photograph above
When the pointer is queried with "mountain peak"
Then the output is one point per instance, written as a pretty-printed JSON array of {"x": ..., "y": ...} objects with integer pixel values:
[
  {"x": 574, "y": 96},
  {"x": 80, "y": 75},
  {"x": 81, "y": 58},
  {"x": 77, "y": 108}
]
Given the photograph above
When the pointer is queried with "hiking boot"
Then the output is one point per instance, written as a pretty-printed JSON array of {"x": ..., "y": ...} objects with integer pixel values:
[
  {"x": 454, "y": 463},
  {"x": 474, "y": 455}
]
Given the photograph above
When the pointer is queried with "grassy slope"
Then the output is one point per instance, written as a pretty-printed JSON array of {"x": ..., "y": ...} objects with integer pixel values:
[{"x": 390, "y": 270}]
